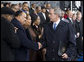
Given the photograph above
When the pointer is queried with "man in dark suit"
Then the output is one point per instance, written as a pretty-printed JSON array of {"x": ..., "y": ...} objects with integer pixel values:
[
  {"x": 69, "y": 18},
  {"x": 22, "y": 54},
  {"x": 58, "y": 38},
  {"x": 9, "y": 40},
  {"x": 79, "y": 34},
  {"x": 32, "y": 9},
  {"x": 15, "y": 7},
  {"x": 48, "y": 6},
  {"x": 25, "y": 7},
  {"x": 42, "y": 16}
]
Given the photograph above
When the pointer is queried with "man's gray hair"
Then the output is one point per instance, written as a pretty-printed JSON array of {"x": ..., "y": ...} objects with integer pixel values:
[{"x": 58, "y": 11}]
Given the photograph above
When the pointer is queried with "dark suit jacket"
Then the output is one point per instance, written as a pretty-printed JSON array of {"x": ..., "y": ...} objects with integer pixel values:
[
  {"x": 31, "y": 11},
  {"x": 72, "y": 24},
  {"x": 43, "y": 20},
  {"x": 52, "y": 39},
  {"x": 47, "y": 16},
  {"x": 9, "y": 41},
  {"x": 79, "y": 28},
  {"x": 22, "y": 54}
]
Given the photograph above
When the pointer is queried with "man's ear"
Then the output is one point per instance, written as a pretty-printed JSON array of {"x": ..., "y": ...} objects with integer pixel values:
[{"x": 56, "y": 15}]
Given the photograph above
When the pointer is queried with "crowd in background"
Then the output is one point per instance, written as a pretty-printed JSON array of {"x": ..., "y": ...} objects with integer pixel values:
[{"x": 30, "y": 27}]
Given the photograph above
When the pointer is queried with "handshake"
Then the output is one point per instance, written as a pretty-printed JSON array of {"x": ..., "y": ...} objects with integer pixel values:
[{"x": 39, "y": 45}]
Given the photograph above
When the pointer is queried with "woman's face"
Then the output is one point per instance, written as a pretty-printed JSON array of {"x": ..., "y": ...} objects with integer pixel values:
[
  {"x": 28, "y": 21},
  {"x": 38, "y": 20}
]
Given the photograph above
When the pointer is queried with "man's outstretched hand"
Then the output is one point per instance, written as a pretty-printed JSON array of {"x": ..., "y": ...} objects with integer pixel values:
[{"x": 65, "y": 56}]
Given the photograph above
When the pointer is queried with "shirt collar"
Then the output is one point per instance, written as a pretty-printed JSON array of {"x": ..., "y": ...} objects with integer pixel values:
[
  {"x": 70, "y": 18},
  {"x": 78, "y": 21},
  {"x": 57, "y": 22},
  {"x": 33, "y": 8}
]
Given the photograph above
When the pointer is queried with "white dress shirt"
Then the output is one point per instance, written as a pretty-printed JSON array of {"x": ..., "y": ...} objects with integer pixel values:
[
  {"x": 71, "y": 20},
  {"x": 44, "y": 15}
]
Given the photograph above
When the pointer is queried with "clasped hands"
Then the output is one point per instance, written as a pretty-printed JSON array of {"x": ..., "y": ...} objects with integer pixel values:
[{"x": 64, "y": 56}]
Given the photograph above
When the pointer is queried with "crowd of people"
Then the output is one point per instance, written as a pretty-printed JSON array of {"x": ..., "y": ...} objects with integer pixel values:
[{"x": 40, "y": 33}]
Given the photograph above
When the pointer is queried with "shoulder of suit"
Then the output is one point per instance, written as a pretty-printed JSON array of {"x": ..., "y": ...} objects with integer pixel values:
[
  {"x": 46, "y": 25},
  {"x": 64, "y": 22},
  {"x": 5, "y": 21},
  {"x": 40, "y": 13},
  {"x": 16, "y": 23}
]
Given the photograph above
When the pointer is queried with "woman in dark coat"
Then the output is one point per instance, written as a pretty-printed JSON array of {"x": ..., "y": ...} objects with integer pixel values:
[
  {"x": 38, "y": 30},
  {"x": 34, "y": 33}
]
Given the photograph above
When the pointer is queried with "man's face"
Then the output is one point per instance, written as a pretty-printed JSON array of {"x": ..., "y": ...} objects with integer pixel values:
[
  {"x": 34, "y": 5},
  {"x": 44, "y": 10},
  {"x": 39, "y": 8},
  {"x": 8, "y": 5},
  {"x": 70, "y": 14},
  {"x": 48, "y": 6},
  {"x": 9, "y": 17},
  {"x": 52, "y": 16},
  {"x": 2, "y": 5},
  {"x": 16, "y": 8},
  {"x": 25, "y": 7},
  {"x": 23, "y": 18},
  {"x": 79, "y": 17}
]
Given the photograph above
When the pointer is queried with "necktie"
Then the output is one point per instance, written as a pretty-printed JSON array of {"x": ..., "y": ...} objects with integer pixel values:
[{"x": 54, "y": 27}]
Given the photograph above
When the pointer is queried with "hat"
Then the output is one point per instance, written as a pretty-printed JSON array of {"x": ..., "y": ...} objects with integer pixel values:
[{"x": 6, "y": 10}]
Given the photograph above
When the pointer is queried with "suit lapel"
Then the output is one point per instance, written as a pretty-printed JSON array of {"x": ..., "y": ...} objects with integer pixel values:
[
  {"x": 43, "y": 16},
  {"x": 51, "y": 27},
  {"x": 59, "y": 25}
]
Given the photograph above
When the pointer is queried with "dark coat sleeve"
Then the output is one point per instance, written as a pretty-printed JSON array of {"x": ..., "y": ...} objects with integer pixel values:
[
  {"x": 25, "y": 41},
  {"x": 71, "y": 49},
  {"x": 43, "y": 40},
  {"x": 9, "y": 35}
]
